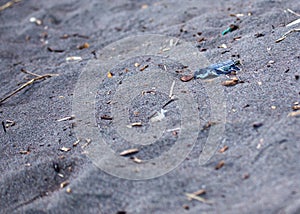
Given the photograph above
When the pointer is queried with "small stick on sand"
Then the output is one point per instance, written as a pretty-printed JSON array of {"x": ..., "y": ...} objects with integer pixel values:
[
  {"x": 198, "y": 198},
  {"x": 293, "y": 12},
  {"x": 28, "y": 72},
  {"x": 8, "y": 4},
  {"x": 171, "y": 90},
  {"x": 287, "y": 33},
  {"x": 30, "y": 82}
]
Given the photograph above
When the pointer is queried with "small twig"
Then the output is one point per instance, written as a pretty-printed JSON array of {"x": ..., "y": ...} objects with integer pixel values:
[
  {"x": 198, "y": 198},
  {"x": 170, "y": 101},
  {"x": 8, "y": 4},
  {"x": 30, "y": 82},
  {"x": 287, "y": 33},
  {"x": 28, "y": 72},
  {"x": 297, "y": 21},
  {"x": 66, "y": 118},
  {"x": 293, "y": 12},
  {"x": 4, "y": 127},
  {"x": 171, "y": 90}
]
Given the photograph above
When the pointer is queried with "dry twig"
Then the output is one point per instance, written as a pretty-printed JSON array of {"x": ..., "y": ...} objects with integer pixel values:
[
  {"x": 287, "y": 33},
  {"x": 30, "y": 82},
  {"x": 8, "y": 4}
]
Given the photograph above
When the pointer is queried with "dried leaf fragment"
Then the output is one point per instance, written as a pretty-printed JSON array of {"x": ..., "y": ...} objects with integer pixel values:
[
  {"x": 83, "y": 46},
  {"x": 186, "y": 78},
  {"x": 231, "y": 82},
  {"x": 220, "y": 165},
  {"x": 222, "y": 150}
]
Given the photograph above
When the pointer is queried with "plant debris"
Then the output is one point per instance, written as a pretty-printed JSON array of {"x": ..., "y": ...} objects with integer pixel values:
[
  {"x": 87, "y": 142},
  {"x": 198, "y": 198},
  {"x": 25, "y": 152},
  {"x": 136, "y": 124},
  {"x": 297, "y": 21},
  {"x": 73, "y": 58},
  {"x": 296, "y": 107},
  {"x": 30, "y": 82},
  {"x": 106, "y": 117},
  {"x": 286, "y": 34},
  {"x": 56, "y": 167},
  {"x": 136, "y": 160},
  {"x": 66, "y": 36},
  {"x": 83, "y": 46},
  {"x": 65, "y": 149},
  {"x": 257, "y": 35},
  {"x": 68, "y": 190},
  {"x": 64, "y": 184},
  {"x": 8, "y": 4},
  {"x": 187, "y": 78},
  {"x": 257, "y": 125},
  {"x": 246, "y": 176},
  {"x": 219, "y": 165},
  {"x": 232, "y": 82},
  {"x": 3, "y": 126},
  {"x": 200, "y": 192},
  {"x": 66, "y": 118},
  {"x": 223, "y": 46},
  {"x": 55, "y": 50},
  {"x": 109, "y": 75},
  {"x": 9, "y": 123},
  {"x": 294, "y": 114},
  {"x": 222, "y": 150},
  {"x": 129, "y": 152},
  {"x": 171, "y": 90},
  {"x": 144, "y": 67},
  {"x": 76, "y": 143},
  {"x": 36, "y": 21}
]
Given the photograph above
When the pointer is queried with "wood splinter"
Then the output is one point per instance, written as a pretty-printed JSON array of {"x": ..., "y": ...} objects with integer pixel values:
[{"x": 30, "y": 82}]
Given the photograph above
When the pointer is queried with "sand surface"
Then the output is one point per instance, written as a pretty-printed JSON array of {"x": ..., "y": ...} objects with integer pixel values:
[{"x": 261, "y": 173}]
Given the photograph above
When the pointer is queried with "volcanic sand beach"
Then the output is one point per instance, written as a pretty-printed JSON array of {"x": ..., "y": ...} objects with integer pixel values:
[{"x": 45, "y": 169}]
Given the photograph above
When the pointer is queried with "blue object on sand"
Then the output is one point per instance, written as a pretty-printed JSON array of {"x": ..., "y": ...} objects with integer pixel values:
[{"x": 215, "y": 70}]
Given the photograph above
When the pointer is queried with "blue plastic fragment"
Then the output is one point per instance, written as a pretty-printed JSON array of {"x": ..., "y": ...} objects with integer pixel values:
[{"x": 215, "y": 70}]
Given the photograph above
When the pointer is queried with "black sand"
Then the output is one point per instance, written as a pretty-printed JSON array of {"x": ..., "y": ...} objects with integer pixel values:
[{"x": 262, "y": 166}]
